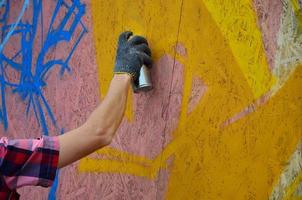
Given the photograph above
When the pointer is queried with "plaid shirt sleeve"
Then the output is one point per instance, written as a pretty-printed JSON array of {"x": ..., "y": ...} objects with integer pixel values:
[{"x": 28, "y": 161}]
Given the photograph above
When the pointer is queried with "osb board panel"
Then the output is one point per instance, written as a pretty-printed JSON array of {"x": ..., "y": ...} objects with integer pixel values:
[
  {"x": 71, "y": 96},
  {"x": 224, "y": 118}
]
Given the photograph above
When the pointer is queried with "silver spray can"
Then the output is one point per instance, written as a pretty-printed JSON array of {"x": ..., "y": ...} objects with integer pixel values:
[{"x": 144, "y": 82}]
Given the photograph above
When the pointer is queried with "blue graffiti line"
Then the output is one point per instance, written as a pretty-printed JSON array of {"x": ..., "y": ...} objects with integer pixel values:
[
  {"x": 33, "y": 71},
  {"x": 25, "y": 4}
]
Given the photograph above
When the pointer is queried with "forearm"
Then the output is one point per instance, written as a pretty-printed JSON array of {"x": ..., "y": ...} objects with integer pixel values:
[
  {"x": 105, "y": 120},
  {"x": 101, "y": 125}
]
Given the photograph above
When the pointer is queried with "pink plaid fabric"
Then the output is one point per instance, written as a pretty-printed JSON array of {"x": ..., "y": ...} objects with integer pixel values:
[{"x": 27, "y": 162}]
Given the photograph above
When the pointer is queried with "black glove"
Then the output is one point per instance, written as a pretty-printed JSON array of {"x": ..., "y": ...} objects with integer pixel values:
[{"x": 131, "y": 55}]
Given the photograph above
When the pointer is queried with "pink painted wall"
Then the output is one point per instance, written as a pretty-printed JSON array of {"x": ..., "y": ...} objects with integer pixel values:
[
  {"x": 71, "y": 97},
  {"x": 74, "y": 95},
  {"x": 269, "y": 20}
]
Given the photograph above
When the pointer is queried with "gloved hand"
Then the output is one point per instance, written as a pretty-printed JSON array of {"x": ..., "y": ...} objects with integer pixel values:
[{"x": 131, "y": 55}]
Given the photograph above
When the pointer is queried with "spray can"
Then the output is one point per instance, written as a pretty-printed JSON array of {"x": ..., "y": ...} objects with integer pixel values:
[{"x": 144, "y": 82}]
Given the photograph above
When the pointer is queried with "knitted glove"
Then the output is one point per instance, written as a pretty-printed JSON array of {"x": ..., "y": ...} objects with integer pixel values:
[{"x": 131, "y": 54}]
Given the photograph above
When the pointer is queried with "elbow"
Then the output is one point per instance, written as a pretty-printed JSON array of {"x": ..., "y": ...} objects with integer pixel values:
[
  {"x": 103, "y": 134},
  {"x": 106, "y": 135},
  {"x": 107, "y": 139}
]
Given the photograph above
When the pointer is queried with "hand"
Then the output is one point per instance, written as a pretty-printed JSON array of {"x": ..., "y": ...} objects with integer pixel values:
[{"x": 131, "y": 54}]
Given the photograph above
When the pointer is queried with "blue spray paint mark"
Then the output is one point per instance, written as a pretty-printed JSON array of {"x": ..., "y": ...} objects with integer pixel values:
[
  {"x": 33, "y": 73},
  {"x": 13, "y": 27},
  {"x": 53, "y": 189}
]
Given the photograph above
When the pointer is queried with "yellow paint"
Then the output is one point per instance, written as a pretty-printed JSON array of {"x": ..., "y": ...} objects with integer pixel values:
[
  {"x": 290, "y": 191},
  {"x": 110, "y": 152},
  {"x": 238, "y": 23},
  {"x": 130, "y": 163},
  {"x": 127, "y": 17},
  {"x": 240, "y": 161},
  {"x": 298, "y": 12}
]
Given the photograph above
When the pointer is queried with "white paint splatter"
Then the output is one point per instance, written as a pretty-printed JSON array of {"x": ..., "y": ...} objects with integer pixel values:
[
  {"x": 289, "y": 46},
  {"x": 289, "y": 174},
  {"x": 288, "y": 57}
]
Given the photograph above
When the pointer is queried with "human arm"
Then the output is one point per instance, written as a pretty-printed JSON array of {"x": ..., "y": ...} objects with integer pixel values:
[
  {"x": 35, "y": 161},
  {"x": 102, "y": 124}
]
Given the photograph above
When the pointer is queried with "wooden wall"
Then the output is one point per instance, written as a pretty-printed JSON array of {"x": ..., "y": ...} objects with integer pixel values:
[{"x": 224, "y": 120}]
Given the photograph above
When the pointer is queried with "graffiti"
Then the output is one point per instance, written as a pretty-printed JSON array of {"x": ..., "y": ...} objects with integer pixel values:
[
  {"x": 31, "y": 66},
  {"x": 234, "y": 142},
  {"x": 289, "y": 183},
  {"x": 26, "y": 43},
  {"x": 224, "y": 118}
]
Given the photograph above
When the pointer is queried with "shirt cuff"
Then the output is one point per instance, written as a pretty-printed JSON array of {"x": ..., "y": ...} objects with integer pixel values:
[{"x": 50, "y": 160}]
